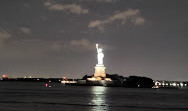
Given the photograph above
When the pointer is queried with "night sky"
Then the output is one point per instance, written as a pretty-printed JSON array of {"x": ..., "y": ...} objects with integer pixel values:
[{"x": 57, "y": 38}]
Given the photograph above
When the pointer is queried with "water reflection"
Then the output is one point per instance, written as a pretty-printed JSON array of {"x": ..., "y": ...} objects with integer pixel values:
[{"x": 98, "y": 99}]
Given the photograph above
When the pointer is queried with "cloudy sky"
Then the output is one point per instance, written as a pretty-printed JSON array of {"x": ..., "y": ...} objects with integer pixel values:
[{"x": 44, "y": 38}]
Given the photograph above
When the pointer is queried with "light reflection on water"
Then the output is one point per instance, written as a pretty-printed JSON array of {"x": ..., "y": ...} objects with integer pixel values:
[{"x": 99, "y": 98}]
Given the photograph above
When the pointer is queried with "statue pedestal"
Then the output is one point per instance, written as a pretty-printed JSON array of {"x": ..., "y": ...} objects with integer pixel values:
[{"x": 100, "y": 71}]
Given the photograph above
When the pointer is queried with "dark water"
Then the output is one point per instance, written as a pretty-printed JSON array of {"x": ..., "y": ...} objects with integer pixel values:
[{"x": 21, "y": 96}]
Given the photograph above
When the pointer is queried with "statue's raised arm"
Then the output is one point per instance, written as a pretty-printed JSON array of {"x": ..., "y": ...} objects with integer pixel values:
[{"x": 97, "y": 46}]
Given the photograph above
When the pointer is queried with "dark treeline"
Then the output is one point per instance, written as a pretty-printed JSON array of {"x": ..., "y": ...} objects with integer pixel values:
[
  {"x": 131, "y": 81},
  {"x": 135, "y": 81}
]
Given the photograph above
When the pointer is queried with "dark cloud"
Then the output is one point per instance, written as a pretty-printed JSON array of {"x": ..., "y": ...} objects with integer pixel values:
[
  {"x": 132, "y": 15},
  {"x": 25, "y": 30},
  {"x": 101, "y": 1},
  {"x": 3, "y": 36},
  {"x": 73, "y": 8}
]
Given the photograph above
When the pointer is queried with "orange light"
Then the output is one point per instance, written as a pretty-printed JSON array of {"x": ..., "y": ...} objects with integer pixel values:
[
  {"x": 64, "y": 77},
  {"x": 4, "y": 76},
  {"x": 64, "y": 82},
  {"x": 94, "y": 79},
  {"x": 108, "y": 79}
]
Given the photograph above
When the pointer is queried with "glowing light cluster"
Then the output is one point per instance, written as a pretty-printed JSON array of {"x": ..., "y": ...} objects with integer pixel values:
[
  {"x": 98, "y": 79},
  {"x": 157, "y": 83},
  {"x": 174, "y": 84},
  {"x": 69, "y": 82},
  {"x": 170, "y": 84},
  {"x": 108, "y": 79},
  {"x": 94, "y": 79}
]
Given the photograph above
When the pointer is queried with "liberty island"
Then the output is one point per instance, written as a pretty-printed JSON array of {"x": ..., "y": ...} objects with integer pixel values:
[{"x": 100, "y": 78}]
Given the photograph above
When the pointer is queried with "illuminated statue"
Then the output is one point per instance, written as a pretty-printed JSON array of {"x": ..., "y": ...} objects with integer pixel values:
[{"x": 100, "y": 55}]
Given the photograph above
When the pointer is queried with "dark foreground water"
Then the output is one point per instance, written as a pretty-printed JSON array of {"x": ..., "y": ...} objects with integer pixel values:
[{"x": 22, "y": 96}]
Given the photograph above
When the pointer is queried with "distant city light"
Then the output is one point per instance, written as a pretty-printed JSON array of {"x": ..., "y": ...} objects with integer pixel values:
[
  {"x": 64, "y": 78},
  {"x": 181, "y": 84},
  {"x": 108, "y": 79},
  {"x": 174, "y": 84},
  {"x": 94, "y": 79},
  {"x": 69, "y": 82},
  {"x": 157, "y": 83},
  {"x": 4, "y": 76}
]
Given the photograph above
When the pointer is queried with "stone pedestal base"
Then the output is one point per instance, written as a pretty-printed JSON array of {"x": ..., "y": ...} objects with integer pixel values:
[{"x": 100, "y": 71}]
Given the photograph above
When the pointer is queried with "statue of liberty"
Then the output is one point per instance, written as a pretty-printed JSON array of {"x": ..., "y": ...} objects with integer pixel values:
[{"x": 100, "y": 55}]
